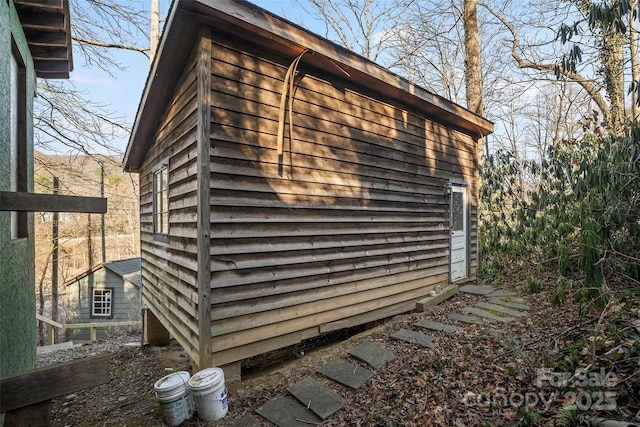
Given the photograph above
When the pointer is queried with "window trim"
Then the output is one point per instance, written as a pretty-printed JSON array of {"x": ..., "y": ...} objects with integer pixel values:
[
  {"x": 92, "y": 312},
  {"x": 18, "y": 139},
  {"x": 160, "y": 217}
]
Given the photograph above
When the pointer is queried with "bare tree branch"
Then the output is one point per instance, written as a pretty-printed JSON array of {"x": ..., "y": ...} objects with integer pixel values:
[
  {"x": 587, "y": 84},
  {"x": 111, "y": 45}
]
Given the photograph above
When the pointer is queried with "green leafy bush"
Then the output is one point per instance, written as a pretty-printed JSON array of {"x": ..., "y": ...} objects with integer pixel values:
[
  {"x": 578, "y": 209},
  {"x": 534, "y": 285}
]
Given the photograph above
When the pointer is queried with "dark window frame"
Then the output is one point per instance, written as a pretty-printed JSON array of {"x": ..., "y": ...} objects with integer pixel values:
[
  {"x": 18, "y": 142},
  {"x": 160, "y": 210}
]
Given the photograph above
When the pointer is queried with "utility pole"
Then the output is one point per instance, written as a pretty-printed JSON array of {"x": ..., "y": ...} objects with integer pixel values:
[
  {"x": 89, "y": 243},
  {"x": 155, "y": 29},
  {"x": 55, "y": 257}
]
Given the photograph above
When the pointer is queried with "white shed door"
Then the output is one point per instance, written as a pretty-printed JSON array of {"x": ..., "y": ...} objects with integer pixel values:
[{"x": 458, "y": 227}]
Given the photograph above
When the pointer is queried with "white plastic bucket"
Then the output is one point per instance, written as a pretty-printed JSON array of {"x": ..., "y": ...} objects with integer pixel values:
[
  {"x": 174, "y": 397},
  {"x": 209, "y": 394}
]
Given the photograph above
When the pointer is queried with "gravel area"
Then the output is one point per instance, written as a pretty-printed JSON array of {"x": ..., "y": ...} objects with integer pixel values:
[
  {"x": 421, "y": 387},
  {"x": 128, "y": 398}
]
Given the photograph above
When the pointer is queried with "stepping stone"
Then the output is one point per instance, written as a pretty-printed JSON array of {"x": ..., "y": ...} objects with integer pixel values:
[
  {"x": 514, "y": 305},
  {"x": 517, "y": 300},
  {"x": 287, "y": 412},
  {"x": 477, "y": 289},
  {"x": 247, "y": 420},
  {"x": 502, "y": 293},
  {"x": 414, "y": 337},
  {"x": 372, "y": 354},
  {"x": 317, "y": 397},
  {"x": 501, "y": 309},
  {"x": 346, "y": 373},
  {"x": 437, "y": 326},
  {"x": 464, "y": 318},
  {"x": 485, "y": 314}
]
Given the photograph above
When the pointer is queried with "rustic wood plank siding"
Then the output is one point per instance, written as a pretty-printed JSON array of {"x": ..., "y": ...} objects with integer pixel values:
[
  {"x": 169, "y": 268},
  {"x": 349, "y": 226}
]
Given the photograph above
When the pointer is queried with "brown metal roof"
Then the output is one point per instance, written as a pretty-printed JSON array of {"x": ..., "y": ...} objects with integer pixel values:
[
  {"x": 273, "y": 32},
  {"x": 47, "y": 27}
]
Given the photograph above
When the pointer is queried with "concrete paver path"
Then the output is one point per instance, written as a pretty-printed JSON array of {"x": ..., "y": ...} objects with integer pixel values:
[
  {"x": 436, "y": 326},
  {"x": 317, "y": 397},
  {"x": 372, "y": 354},
  {"x": 349, "y": 374},
  {"x": 287, "y": 412},
  {"x": 314, "y": 402},
  {"x": 501, "y": 309},
  {"x": 414, "y": 337}
]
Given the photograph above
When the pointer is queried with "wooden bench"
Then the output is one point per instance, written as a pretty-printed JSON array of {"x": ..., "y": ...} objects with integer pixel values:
[{"x": 25, "y": 398}]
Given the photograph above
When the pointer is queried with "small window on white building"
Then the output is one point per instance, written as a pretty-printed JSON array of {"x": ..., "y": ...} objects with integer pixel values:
[
  {"x": 161, "y": 200},
  {"x": 102, "y": 302}
]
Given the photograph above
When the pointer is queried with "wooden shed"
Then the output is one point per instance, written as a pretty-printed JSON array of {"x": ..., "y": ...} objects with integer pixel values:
[
  {"x": 108, "y": 293},
  {"x": 289, "y": 187}
]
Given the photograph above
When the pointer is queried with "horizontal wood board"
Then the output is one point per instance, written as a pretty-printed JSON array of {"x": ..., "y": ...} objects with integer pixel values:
[
  {"x": 53, "y": 381},
  {"x": 349, "y": 225},
  {"x": 169, "y": 267}
]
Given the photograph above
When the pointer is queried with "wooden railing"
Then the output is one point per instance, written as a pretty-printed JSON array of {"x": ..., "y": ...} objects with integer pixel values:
[{"x": 51, "y": 324}]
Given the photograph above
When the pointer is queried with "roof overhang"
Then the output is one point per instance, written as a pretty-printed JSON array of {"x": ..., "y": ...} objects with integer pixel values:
[
  {"x": 47, "y": 27},
  {"x": 275, "y": 33}
]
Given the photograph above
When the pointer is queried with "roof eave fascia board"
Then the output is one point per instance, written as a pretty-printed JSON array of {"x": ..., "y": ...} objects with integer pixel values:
[
  {"x": 171, "y": 36},
  {"x": 82, "y": 275},
  {"x": 246, "y": 15}
]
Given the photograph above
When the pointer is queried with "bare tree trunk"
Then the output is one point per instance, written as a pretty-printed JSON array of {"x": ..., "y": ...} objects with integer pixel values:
[
  {"x": 613, "y": 70},
  {"x": 473, "y": 82},
  {"x": 154, "y": 35},
  {"x": 473, "y": 71},
  {"x": 556, "y": 128},
  {"x": 42, "y": 331},
  {"x": 635, "y": 60},
  {"x": 54, "y": 258}
]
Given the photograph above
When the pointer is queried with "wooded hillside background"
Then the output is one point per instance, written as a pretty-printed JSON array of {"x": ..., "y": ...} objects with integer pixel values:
[{"x": 80, "y": 234}]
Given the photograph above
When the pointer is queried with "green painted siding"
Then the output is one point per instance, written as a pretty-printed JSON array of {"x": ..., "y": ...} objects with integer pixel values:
[
  {"x": 17, "y": 296},
  {"x": 126, "y": 303}
]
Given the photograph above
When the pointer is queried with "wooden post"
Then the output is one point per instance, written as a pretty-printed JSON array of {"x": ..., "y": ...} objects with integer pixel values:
[
  {"x": 51, "y": 334},
  {"x": 203, "y": 75},
  {"x": 155, "y": 332},
  {"x": 93, "y": 333}
]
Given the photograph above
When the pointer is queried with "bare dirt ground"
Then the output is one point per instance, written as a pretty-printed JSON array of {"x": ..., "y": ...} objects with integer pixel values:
[{"x": 479, "y": 376}]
